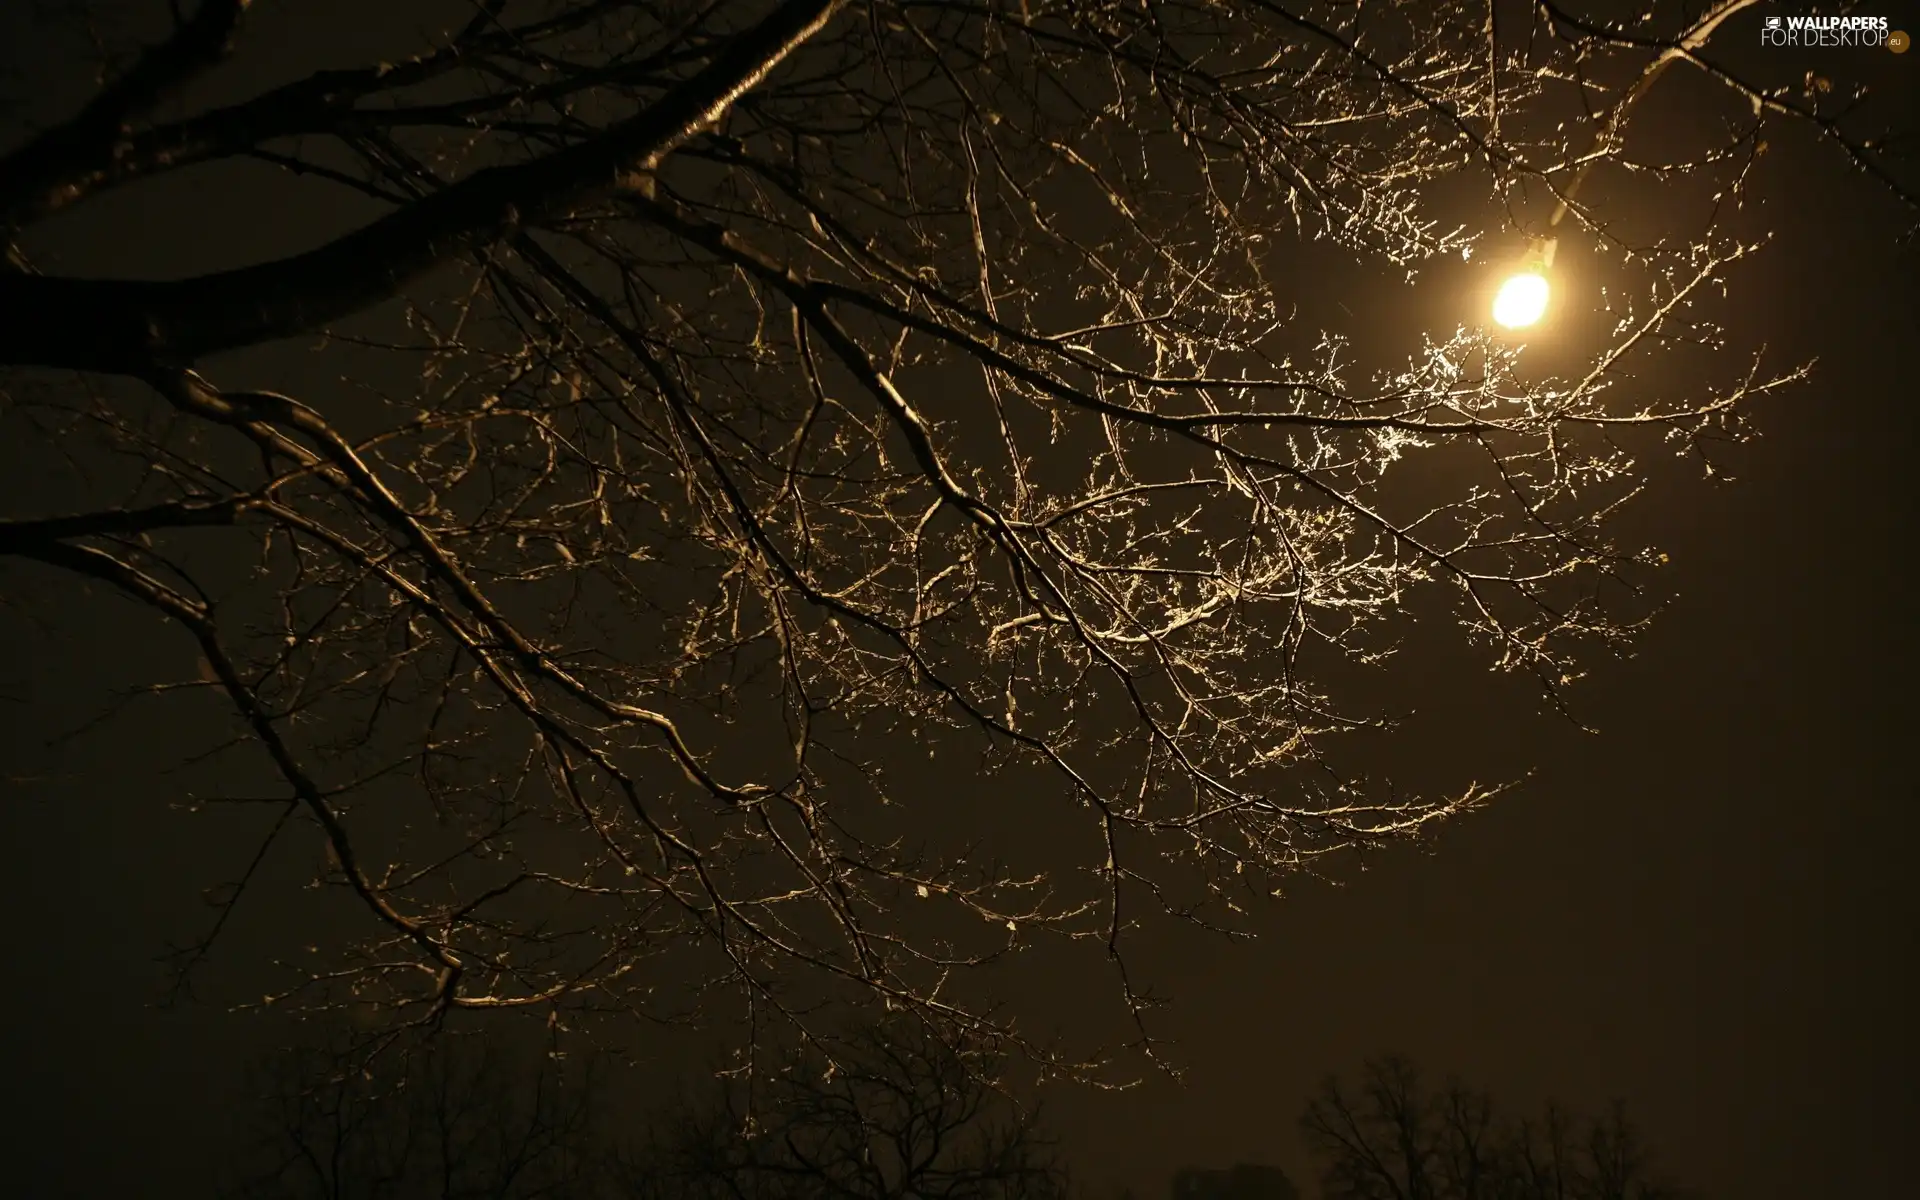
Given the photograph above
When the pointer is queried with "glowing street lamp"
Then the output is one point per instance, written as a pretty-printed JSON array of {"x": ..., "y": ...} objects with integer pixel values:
[{"x": 1522, "y": 299}]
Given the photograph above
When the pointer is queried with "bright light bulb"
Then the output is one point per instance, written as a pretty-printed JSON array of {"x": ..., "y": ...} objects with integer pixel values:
[{"x": 1522, "y": 300}]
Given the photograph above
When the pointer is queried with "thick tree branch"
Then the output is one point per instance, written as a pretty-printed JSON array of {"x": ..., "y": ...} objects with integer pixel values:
[
  {"x": 33, "y": 177},
  {"x": 129, "y": 326},
  {"x": 332, "y": 103},
  {"x": 16, "y": 536}
]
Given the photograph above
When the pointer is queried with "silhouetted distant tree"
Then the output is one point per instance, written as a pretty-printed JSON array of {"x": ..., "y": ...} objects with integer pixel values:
[
  {"x": 895, "y": 1111},
  {"x": 898, "y": 1112},
  {"x": 744, "y": 392},
  {"x": 1392, "y": 1138},
  {"x": 454, "y": 1117}
]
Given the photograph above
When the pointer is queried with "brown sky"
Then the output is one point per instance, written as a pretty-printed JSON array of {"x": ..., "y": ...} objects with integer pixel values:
[{"x": 1704, "y": 909}]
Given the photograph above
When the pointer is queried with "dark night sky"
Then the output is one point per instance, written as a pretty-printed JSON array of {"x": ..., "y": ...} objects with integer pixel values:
[
  {"x": 1707, "y": 908},
  {"x": 1704, "y": 909}
]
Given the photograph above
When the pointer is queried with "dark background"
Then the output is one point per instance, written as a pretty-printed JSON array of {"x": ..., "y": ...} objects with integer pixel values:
[{"x": 1706, "y": 909}]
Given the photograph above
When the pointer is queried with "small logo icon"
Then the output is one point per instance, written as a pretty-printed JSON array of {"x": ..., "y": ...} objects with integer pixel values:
[
  {"x": 1898, "y": 41},
  {"x": 1773, "y": 22}
]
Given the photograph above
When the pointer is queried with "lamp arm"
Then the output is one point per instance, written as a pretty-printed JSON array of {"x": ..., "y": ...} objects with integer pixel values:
[{"x": 1688, "y": 44}]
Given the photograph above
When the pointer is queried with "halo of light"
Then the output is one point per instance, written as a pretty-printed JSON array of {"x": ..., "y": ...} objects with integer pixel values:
[{"x": 1522, "y": 300}]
